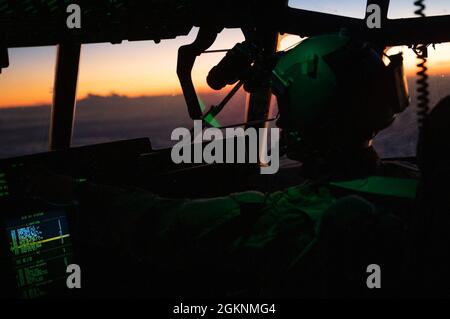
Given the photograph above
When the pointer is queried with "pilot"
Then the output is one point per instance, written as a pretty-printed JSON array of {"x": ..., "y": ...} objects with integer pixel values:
[{"x": 314, "y": 239}]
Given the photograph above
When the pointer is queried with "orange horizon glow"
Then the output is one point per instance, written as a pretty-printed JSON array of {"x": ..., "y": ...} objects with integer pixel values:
[
  {"x": 39, "y": 96},
  {"x": 169, "y": 92},
  {"x": 142, "y": 68}
]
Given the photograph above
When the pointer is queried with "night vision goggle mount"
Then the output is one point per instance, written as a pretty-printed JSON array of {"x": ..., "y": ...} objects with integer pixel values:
[{"x": 245, "y": 65}]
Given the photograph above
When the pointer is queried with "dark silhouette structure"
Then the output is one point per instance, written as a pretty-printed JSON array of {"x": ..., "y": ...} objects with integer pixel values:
[{"x": 214, "y": 238}]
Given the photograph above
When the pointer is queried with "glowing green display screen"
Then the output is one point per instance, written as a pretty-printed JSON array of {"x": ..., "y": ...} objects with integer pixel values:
[{"x": 40, "y": 249}]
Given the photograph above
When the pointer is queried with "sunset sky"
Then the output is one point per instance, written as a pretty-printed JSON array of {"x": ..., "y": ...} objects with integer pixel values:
[{"x": 146, "y": 68}]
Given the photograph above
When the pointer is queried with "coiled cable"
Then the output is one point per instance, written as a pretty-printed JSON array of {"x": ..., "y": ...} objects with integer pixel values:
[{"x": 423, "y": 92}]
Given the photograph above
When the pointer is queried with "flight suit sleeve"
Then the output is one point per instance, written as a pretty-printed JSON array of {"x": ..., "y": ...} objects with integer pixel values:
[
  {"x": 242, "y": 240},
  {"x": 144, "y": 224}
]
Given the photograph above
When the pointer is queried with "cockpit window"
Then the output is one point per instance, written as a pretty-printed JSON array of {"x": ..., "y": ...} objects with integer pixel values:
[
  {"x": 127, "y": 90},
  {"x": 357, "y": 8},
  {"x": 400, "y": 138},
  {"x": 132, "y": 90},
  {"x": 26, "y": 88},
  {"x": 348, "y": 8},
  {"x": 406, "y": 8}
]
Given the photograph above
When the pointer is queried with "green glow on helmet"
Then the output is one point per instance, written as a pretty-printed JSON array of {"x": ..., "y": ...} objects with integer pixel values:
[{"x": 307, "y": 81}]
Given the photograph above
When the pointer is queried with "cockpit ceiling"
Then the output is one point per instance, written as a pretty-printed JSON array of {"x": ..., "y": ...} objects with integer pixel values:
[{"x": 43, "y": 22}]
